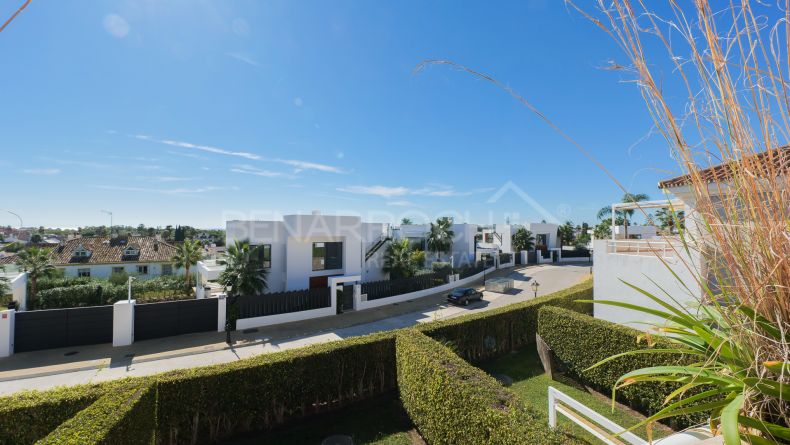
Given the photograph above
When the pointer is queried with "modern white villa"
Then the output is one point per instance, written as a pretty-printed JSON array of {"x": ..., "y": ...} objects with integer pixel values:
[
  {"x": 639, "y": 261},
  {"x": 471, "y": 242},
  {"x": 304, "y": 251}
]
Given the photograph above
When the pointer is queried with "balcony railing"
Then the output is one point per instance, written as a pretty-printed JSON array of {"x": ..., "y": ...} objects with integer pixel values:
[{"x": 660, "y": 247}]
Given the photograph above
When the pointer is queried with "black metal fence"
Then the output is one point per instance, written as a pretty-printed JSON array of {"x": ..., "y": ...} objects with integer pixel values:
[
  {"x": 579, "y": 252},
  {"x": 505, "y": 258},
  {"x": 165, "y": 319},
  {"x": 466, "y": 272},
  {"x": 59, "y": 328},
  {"x": 284, "y": 302},
  {"x": 390, "y": 288}
]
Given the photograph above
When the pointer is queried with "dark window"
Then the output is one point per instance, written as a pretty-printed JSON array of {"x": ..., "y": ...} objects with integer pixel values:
[
  {"x": 167, "y": 269},
  {"x": 327, "y": 256},
  {"x": 117, "y": 270},
  {"x": 142, "y": 270},
  {"x": 266, "y": 254},
  {"x": 83, "y": 272}
]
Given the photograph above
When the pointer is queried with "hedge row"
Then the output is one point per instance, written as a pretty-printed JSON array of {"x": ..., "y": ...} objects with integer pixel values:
[
  {"x": 28, "y": 416},
  {"x": 97, "y": 293},
  {"x": 496, "y": 332},
  {"x": 580, "y": 341},
  {"x": 452, "y": 402},
  {"x": 209, "y": 404},
  {"x": 216, "y": 402},
  {"x": 126, "y": 415}
]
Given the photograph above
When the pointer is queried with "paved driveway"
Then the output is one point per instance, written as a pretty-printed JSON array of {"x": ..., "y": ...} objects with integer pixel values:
[{"x": 46, "y": 369}]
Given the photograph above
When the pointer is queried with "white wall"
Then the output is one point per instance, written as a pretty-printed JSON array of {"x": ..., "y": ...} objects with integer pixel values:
[
  {"x": 263, "y": 232},
  {"x": 18, "y": 286},
  {"x": 638, "y": 270},
  {"x": 640, "y": 231},
  {"x": 548, "y": 229},
  {"x": 105, "y": 270}
]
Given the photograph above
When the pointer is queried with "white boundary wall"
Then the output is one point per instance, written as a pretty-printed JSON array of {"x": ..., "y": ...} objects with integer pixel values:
[
  {"x": 640, "y": 270},
  {"x": 362, "y": 305}
]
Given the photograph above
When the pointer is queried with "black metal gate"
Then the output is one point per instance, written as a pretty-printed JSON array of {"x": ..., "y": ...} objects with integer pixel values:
[
  {"x": 345, "y": 299},
  {"x": 156, "y": 320},
  {"x": 60, "y": 328}
]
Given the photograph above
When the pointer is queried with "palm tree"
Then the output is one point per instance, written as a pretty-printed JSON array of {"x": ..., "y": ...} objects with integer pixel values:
[
  {"x": 35, "y": 262},
  {"x": 401, "y": 260},
  {"x": 187, "y": 255},
  {"x": 668, "y": 219},
  {"x": 440, "y": 236},
  {"x": 244, "y": 273},
  {"x": 606, "y": 212},
  {"x": 406, "y": 222},
  {"x": 523, "y": 240}
]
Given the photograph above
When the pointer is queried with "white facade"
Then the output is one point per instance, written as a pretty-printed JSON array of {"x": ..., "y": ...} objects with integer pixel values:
[
  {"x": 547, "y": 232},
  {"x": 105, "y": 270},
  {"x": 292, "y": 241},
  {"x": 464, "y": 245},
  {"x": 635, "y": 232}
]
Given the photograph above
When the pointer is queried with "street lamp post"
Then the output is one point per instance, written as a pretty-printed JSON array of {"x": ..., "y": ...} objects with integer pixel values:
[
  {"x": 129, "y": 299},
  {"x": 535, "y": 286}
]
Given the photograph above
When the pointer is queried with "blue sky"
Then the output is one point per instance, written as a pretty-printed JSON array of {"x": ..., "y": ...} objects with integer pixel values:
[{"x": 190, "y": 112}]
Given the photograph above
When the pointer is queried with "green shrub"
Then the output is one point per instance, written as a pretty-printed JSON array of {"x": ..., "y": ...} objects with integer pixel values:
[
  {"x": 28, "y": 416},
  {"x": 50, "y": 283},
  {"x": 118, "y": 278},
  {"x": 442, "y": 268},
  {"x": 452, "y": 402},
  {"x": 212, "y": 403},
  {"x": 580, "y": 341},
  {"x": 126, "y": 415},
  {"x": 99, "y": 292},
  {"x": 492, "y": 333}
]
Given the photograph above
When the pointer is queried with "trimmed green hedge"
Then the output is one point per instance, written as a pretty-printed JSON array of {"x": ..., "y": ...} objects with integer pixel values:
[
  {"x": 580, "y": 341},
  {"x": 28, "y": 416},
  {"x": 126, "y": 415},
  {"x": 88, "y": 294},
  {"x": 493, "y": 333},
  {"x": 216, "y": 402},
  {"x": 452, "y": 402}
]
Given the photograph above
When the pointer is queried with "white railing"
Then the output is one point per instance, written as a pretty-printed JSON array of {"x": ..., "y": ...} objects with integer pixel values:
[
  {"x": 663, "y": 248},
  {"x": 596, "y": 424}
]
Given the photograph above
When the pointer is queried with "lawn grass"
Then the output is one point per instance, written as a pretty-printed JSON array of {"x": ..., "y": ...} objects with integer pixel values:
[
  {"x": 380, "y": 421},
  {"x": 532, "y": 385}
]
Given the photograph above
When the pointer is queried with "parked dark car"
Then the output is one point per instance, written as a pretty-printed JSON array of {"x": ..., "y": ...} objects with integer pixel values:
[{"x": 463, "y": 295}]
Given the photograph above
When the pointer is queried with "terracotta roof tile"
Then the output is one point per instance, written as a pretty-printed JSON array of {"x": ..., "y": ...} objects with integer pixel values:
[
  {"x": 106, "y": 250},
  {"x": 767, "y": 162}
]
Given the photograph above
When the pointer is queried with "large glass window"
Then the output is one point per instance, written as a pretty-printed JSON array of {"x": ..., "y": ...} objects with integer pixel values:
[
  {"x": 266, "y": 254},
  {"x": 83, "y": 273},
  {"x": 327, "y": 256}
]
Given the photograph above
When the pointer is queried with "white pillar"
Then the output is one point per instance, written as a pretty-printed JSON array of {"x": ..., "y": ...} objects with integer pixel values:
[
  {"x": 7, "y": 332},
  {"x": 19, "y": 291},
  {"x": 222, "y": 311},
  {"x": 123, "y": 323}
]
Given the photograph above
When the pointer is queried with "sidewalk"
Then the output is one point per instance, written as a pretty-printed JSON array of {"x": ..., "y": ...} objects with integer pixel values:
[{"x": 42, "y": 369}]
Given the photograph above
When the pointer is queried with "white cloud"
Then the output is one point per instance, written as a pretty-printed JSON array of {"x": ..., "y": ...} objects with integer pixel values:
[
  {"x": 116, "y": 25},
  {"x": 175, "y": 191},
  {"x": 250, "y": 170},
  {"x": 401, "y": 203},
  {"x": 241, "y": 57},
  {"x": 41, "y": 171},
  {"x": 297, "y": 164},
  {"x": 376, "y": 190},
  {"x": 389, "y": 192},
  {"x": 298, "y": 101},
  {"x": 165, "y": 178}
]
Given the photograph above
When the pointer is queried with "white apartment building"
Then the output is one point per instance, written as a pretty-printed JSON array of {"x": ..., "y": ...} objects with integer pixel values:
[{"x": 304, "y": 251}]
